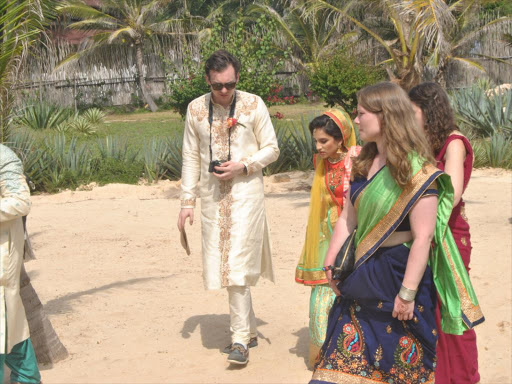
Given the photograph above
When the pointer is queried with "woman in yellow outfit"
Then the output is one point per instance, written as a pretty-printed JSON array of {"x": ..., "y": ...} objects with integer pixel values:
[{"x": 335, "y": 139}]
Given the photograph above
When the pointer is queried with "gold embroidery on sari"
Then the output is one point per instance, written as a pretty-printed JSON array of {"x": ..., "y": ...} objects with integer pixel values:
[
  {"x": 310, "y": 277},
  {"x": 463, "y": 214},
  {"x": 377, "y": 232},
  {"x": 473, "y": 312}
]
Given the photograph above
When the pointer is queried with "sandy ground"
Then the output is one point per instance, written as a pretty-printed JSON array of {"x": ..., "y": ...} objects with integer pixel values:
[{"x": 130, "y": 307}]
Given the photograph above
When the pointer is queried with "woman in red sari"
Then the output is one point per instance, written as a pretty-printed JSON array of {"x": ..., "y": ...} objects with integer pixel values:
[{"x": 457, "y": 356}]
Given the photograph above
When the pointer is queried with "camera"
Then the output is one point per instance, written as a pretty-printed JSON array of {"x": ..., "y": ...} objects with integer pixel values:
[{"x": 213, "y": 164}]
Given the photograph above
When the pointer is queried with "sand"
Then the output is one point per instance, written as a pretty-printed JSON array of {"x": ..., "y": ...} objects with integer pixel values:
[{"x": 130, "y": 307}]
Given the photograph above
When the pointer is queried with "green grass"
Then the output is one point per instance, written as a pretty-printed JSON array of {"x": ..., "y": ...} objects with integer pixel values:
[
  {"x": 138, "y": 128},
  {"x": 295, "y": 111}
]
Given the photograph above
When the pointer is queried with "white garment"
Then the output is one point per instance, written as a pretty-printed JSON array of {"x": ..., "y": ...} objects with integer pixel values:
[
  {"x": 235, "y": 237},
  {"x": 14, "y": 203},
  {"x": 242, "y": 318}
]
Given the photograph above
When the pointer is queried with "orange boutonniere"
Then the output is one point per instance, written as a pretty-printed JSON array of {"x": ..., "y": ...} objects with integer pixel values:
[{"x": 232, "y": 122}]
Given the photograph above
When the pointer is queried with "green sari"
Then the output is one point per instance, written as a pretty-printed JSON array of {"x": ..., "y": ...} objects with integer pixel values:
[{"x": 459, "y": 310}]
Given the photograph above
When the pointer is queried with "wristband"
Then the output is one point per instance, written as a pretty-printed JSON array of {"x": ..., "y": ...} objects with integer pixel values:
[
  {"x": 407, "y": 294},
  {"x": 328, "y": 268}
]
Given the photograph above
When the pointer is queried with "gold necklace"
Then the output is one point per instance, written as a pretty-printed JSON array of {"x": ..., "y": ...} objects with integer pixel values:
[{"x": 337, "y": 160}]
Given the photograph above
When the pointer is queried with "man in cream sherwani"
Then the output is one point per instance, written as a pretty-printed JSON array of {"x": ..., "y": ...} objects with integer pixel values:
[
  {"x": 16, "y": 349},
  {"x": 235, "y": 127}
]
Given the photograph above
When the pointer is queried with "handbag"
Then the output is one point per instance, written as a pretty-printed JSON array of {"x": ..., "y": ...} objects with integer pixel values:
[{"x": 344, "y": 263}]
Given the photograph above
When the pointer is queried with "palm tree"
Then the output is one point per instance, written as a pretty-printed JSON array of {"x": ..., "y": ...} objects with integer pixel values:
[
  {"x": 21, "y": 22},
  {"x": 312, "y": 37},
  {"x": 427, "y": 33},
  {"x": 446, "y": 37},
  {"x": 129, "y": 22}
]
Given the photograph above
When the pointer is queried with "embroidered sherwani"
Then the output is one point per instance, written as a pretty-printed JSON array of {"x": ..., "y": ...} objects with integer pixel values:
[
  {"x": 235, "y": 236},
  {"x": 14, "y": 203}
]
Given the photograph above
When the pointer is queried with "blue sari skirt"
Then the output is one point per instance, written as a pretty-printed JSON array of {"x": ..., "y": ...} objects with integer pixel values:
[{"x": 364, "y": 343}]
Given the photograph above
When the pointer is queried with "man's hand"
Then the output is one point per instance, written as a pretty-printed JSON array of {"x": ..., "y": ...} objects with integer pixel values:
[
  {"x": 182, "y": 218},
  {"x": 230, "y": 169}
]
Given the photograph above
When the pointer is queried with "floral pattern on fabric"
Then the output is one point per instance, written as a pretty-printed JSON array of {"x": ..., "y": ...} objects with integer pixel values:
[
  {"x": 353, "y": 362},
  {"x": 351, "y": 341}
]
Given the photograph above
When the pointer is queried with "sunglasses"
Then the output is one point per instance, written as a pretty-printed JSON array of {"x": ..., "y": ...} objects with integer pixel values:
[{"x": 218, "y": 86}]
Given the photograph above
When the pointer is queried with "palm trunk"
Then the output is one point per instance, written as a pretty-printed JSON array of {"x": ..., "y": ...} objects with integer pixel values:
[
  {"x": 47, "y": 344},
  {"x": 440, "y": 76},
  {"x": 142, "y": 82}
]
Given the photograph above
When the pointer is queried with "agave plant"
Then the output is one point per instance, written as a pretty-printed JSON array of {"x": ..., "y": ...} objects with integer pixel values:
[
  {"x": 495, "y": 151},
  {"x": 295, "y": 144},
  {"x": 73, "y": 159},
  {"x": 35, "y": 158},
  {"x": 155, "y": 151},
  {"x": 82, "y": 126},
  {"x": 94, "y": 116},
  {"x": 173, "y": 161},
  {"x": 39, "y": 116},
  {"x": 115, "y": 147},
  {"x": 485, "y": 112}
]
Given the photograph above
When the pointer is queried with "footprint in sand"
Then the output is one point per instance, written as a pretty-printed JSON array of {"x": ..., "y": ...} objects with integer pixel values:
[{"x": 502, "y": 325}]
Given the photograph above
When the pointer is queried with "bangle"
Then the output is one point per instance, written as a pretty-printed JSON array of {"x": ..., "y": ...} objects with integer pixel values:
[
  {"x": 407, "y": 294},
  {"x": 328, "y": 268}
]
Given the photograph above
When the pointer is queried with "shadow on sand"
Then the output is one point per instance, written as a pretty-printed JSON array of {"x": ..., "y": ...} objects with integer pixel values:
[{"x": 214, "y": 330}]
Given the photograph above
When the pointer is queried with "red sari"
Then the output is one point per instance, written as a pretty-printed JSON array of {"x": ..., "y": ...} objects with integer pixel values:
[{"x": 457, "y": 356}]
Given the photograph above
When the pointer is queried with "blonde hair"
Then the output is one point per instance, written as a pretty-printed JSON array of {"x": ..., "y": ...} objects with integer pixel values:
[{"x": 401, "y": 133}]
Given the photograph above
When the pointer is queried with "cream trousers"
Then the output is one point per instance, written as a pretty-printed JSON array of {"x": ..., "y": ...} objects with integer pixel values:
[{"x": 243, "y": 321}]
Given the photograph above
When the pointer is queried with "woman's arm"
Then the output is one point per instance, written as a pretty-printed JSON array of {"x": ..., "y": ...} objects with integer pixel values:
[
  {"x": 454, "y": 166},
  {"x": 423, "y": 221},
  {"x": 344, "y": 227}
]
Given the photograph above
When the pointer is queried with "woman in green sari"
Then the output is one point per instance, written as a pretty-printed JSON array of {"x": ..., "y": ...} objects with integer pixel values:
[{"x": 381, "y": 328}]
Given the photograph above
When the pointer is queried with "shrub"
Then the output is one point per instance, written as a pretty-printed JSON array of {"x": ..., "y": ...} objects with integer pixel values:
[
  {"x": 295, "y": 144},
  {"x": 338, "y": 78},
  {"x": 82, "y": 126},
  {"x": 68, "y": 165},
  {"x": 35, "y": 158},
  {"x": 253, "y": 46},
  {"x": 162, "y": 159},
  {"x": 117, "y": 148},
  {"x": 183, "y": 91},
  {"x": 495, "y": 151},
  {"x": 484, "y": 112},
  {"x": 40, "y": 116},
  {"x": 112, "y": 170},
  {"x": 94, "y": 116}
]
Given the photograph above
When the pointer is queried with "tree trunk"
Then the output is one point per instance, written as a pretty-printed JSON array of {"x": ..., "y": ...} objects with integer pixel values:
[
  {"x": 47, "y": 344},
  {"x": 440, "y": 76},
  {"x": 142, "y": 82}
]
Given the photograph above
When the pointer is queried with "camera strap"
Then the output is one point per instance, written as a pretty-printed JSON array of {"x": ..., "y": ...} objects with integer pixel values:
[{"x": 210, "y": 121}]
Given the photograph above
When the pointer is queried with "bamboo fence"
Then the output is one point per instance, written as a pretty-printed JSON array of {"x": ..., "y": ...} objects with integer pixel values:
[{"x": 108, "y": 76}]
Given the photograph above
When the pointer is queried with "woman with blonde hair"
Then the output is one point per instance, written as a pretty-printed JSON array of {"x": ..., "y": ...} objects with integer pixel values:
[
  {"x": 335, "y": 139},
  {"x": 382, "y": 326}
]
